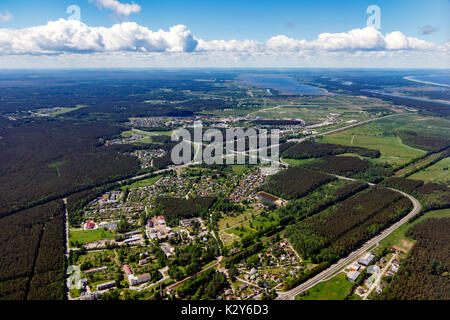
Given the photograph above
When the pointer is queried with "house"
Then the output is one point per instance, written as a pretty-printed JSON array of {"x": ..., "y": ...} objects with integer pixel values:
[
  {"x": 143, "y": 262},
  {"x": 354, "y": 267},
  {"x": 81, "y": 284},
  {"x": 95, "y": 270},
  {"x": 106, "y": 285},
  {"x": 90, "y": 296},
  {"x": 89, "y": 225},
  {"x": 110, "y": 226},
  {"x": 366, "y": 259},
  {"x": 127, "y": 270},
  {"x": 134, "y": 281},
  {"x": 353, "y": 275},
  {"x": 242, "y": 287},
  {"x": 373, "y": 269}
]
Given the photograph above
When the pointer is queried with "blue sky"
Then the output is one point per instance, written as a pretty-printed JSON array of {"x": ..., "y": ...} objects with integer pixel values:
[{"x": 246, "y": 20}]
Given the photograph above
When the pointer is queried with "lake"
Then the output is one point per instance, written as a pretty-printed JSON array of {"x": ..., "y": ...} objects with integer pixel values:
[{"x": 281, "y": 83}]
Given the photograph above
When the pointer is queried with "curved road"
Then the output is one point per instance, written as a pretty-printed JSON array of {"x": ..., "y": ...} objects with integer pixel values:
[{"x": 291, "y": 294}]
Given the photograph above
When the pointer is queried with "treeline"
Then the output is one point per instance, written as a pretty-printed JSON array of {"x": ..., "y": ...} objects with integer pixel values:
[
  {"x": 205, "y": 286},
  {"x": 350, "y": 166},
  {"x": 295, "y": 182},
  {"x": 336, "y": 231},
  {"x": 190, "y": 259},
  {"x": 318, "y": 200},
  {"x": 175, "y": 209},
  {"x": 309, "y": 149},
  {"x": 424, "y": 141},
  {"x": 47, "y": 160},
  {"x": 32, "y": 253},
  {"x": 431, "y": 195},
  {"x": 424, "y": 275}
]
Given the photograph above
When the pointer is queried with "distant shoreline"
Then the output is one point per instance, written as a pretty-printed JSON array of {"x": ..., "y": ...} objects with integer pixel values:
[{"x": 411, "y": 78}]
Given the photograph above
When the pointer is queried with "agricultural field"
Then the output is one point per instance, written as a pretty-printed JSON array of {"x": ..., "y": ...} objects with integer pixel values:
[
  {"x": 337, "y": 288},
  {"x": 438, "y": 172}
]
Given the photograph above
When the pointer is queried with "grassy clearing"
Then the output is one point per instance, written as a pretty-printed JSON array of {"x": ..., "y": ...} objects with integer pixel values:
[
  {"x": 437, "y": 172},
  {"x": 57, "y": 166},
  {"x": 398, "y": 238},
  {"x": 393, "y": 151},
  {"x": 336, "y": 288},
  {"x": 142, "y": 183},
  {"x": 84, "y": 236},
  {"x": 297, "y": 162},
  {"x": 66, "y": 110}
]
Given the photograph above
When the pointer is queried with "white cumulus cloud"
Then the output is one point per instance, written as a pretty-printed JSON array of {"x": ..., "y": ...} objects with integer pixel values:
[
  {"x": 5, "y": 17},
  {"x": 64, "y": 36},
  {"x": 366, "y": 39},
  {"x": 121, "y": 9}
]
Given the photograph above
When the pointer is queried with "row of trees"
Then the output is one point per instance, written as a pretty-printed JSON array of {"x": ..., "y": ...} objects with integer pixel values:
[
  {"x": 337, "y": 230},
  {"x": 351, "y": 167},
  {"x": 32, "y": 253},
  {"x": 309, "y": 149},
  {"x": 295, "y": 182},
  {"x": 431, "y": 195}
]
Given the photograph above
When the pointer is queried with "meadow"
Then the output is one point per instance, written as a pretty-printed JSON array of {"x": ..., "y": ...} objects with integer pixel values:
[
  {"x": 381, "y": 135},
  {"x": 437, "y": 173},
  {"x": 84, "y": 236},
  {"x": 337, "y": 288}
]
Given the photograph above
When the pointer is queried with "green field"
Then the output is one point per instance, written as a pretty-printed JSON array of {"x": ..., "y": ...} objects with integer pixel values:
[
  {"x": 66, "y": 110},
  {"x": 142, "y": 183},
  {"x": 437, "y": 172},
  {"x": 297, "y": 162},
  {"x": 84, "y": 236},
  {"x": 380, "y": 135},
  {"x": 337, "y": 288}
]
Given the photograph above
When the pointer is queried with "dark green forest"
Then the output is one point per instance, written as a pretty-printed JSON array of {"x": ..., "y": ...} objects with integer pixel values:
[{"x": 425, "y": 273}]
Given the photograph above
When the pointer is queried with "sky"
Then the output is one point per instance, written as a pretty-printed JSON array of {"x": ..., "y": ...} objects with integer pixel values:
[{"x": 198, "y": 33}]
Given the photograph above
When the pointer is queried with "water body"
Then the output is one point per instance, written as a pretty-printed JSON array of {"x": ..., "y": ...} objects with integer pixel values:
[
  {"x": 406, "y": 97},
  {"x": 279, "y": 82},
  {"x": 434, "y": 78}
]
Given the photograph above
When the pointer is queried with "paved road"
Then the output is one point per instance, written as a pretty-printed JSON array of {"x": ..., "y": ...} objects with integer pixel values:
[{"x": 290, "y": 295}]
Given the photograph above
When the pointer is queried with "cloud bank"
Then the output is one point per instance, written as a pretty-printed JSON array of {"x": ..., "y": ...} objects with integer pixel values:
[
  {"x": 71, "y": 36},
  {"x": 121, "y": 9}
]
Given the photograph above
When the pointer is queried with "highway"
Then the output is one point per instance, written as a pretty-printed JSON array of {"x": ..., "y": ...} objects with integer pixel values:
[{"x": 291, "y": 294}]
